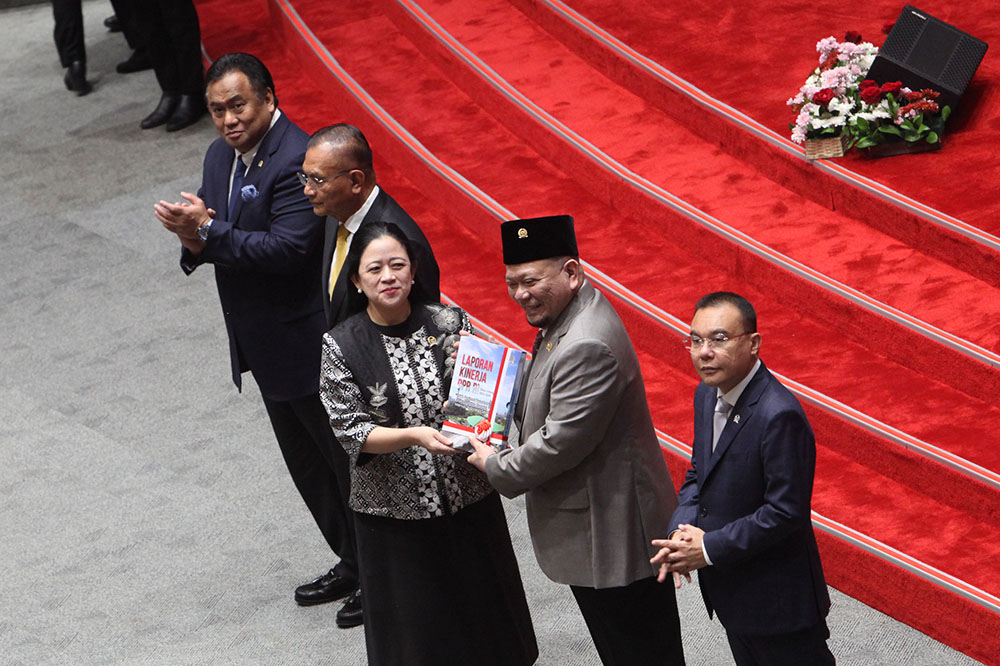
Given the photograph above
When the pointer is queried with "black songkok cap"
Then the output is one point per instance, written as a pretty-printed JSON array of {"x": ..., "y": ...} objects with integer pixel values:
[{"x": 538, "y": 238}]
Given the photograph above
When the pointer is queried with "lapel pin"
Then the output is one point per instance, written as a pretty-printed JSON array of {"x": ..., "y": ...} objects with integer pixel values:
[
  {"x": 260, "y": 164},
  {"x": 548, "y": 346},
  {"x": 736, "y": 418}
]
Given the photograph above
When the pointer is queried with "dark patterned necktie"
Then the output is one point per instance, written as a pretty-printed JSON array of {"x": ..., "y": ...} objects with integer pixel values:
[
  {"x": 537, "y": 343},
  {"x": 238, "y": 175}
]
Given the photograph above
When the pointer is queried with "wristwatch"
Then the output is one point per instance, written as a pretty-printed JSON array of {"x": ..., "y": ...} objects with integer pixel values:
[{"x": 203, "y": 230}]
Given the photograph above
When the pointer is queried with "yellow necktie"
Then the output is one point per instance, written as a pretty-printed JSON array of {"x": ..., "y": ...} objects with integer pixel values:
[{"x": 338, "y": 256}]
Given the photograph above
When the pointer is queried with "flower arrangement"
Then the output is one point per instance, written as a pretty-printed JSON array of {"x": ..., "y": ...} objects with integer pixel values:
[
  {"x": 892, "y": 112},
  {"x": 828, "y": 99},
  {"x": 837, "y": 101}
]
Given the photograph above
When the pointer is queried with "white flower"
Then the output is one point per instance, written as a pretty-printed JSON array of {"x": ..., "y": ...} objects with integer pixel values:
[
  {"x": 875, "y": 113},
  {"x": 841, "y": 106},
  {"x": 832, "y": 121}
]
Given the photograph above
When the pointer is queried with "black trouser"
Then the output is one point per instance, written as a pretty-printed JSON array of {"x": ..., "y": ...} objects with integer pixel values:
[
  {"x": 793, "y": 649},
  {"x": 173, "y": 37},
  {"x": 126, "y": 11},
  {"x": 68, "y": 32},
  {"x": 633, "y": 625},
  {"x": 321, "y": 471}
]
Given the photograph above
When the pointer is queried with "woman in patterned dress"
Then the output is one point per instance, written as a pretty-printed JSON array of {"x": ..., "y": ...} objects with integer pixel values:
[{"x": 439, "y": 582}]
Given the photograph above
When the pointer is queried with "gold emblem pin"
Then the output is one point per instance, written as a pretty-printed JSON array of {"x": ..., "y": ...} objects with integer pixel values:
[
  {"x": 522, "y": 233},
  {"x": 261, "y": 163},
  {"x": 431, "y": 340},
  {"x": 548, "y": 346}
]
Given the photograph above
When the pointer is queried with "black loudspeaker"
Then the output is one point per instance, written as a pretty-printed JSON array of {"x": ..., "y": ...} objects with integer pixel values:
[{"x": 924, "y": 52}]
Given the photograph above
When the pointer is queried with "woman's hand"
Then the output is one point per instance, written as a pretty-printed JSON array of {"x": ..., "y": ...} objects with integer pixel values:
[
  {"x": 432, "y": 440},
  {"x": 389, "y": 440}
]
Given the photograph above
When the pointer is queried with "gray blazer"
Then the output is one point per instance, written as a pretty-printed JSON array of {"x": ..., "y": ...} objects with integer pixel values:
[{"x": 598, "y": 490}]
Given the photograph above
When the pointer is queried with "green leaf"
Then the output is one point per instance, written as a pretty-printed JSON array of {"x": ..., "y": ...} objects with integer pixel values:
[
  {"x": 863, "y": 125},
  {"x": 890, "y": 129},
  {"x": 932, "y": 137},
  {"x": 945, "y": 112},
  {"x": 866, "y": 142}
]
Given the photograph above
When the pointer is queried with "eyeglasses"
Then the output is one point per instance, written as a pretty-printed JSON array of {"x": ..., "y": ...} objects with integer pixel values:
[
  {"x": 305, "y": 180},
  {"x": 693, "y": 343}
]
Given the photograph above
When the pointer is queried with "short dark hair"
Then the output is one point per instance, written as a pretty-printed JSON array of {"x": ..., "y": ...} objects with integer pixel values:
[
  {"x": 369, "y": 232},
  {"x": 351, "y": 139},
  {"x": 747, "y": 314},
  {"x": 250, "y": 65}
]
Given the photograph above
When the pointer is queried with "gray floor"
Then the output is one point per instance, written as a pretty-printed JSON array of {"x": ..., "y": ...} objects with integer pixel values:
[{"x": 146, "y": 514}]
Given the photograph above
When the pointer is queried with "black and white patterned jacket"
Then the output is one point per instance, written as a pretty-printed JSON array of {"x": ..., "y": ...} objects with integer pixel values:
[{"x": 397, "y": 377}]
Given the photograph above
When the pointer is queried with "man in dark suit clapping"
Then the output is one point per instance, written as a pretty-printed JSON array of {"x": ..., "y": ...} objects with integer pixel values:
[{"x": 251, "y": 220}]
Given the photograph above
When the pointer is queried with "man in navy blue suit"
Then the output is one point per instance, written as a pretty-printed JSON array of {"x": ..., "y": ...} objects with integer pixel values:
[
  {"x": 251, "y": 220},
  {"x": 743, "y": 515}
]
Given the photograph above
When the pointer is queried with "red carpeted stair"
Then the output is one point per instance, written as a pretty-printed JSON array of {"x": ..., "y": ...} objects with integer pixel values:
[{"x": 450, "y": 120}]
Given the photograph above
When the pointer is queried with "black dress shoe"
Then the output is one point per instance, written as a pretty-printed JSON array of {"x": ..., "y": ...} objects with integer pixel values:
[
  {"x": 189, "y": 110},
  {"x": 76, "y": 79},
  {"x": 137, "y": 62},
  {"x": 328, "y": 587},
  {"x": 162, "y": 112},
  {"x": 350, "y": 614},
  {"x": 113, "y": 24}
]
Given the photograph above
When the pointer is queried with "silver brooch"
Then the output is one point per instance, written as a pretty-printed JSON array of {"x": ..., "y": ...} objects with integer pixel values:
[{"x": 447, "y": 319}]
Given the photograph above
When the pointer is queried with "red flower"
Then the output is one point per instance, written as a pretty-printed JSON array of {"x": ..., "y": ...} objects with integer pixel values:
[
  {"x": 914, "y": 96},
  {"x": 853, "y": 36},
  {"x": 923, "y": 106},
  {"x": 887, "y": 27},
  {"x": 867, "y": 83},
  {"x": 871, "y": 95},
  {"x": 891, "y": 87},
  {"x": 823, "y": 97},
  {"x": 928, "y": 93}
]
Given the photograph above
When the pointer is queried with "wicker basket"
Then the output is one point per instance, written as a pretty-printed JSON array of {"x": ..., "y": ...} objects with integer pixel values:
[{"x": 820, "y": 148}]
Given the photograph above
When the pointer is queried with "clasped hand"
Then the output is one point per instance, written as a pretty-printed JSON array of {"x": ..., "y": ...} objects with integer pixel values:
[{"x": 680, "y": 554}]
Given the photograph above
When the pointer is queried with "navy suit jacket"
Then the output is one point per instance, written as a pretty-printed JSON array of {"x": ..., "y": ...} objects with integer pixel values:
[
  {"x": 752, "y": 496},
  {"x": 346, "y": 300},
  {"x": 267, "y": 264}
]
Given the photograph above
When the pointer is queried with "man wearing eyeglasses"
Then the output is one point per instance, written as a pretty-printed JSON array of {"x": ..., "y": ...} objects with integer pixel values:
[
  {"x": 252, "y": 222},
  {"x": 338, "y": 177},
  {"x": 743, "y": 515}
]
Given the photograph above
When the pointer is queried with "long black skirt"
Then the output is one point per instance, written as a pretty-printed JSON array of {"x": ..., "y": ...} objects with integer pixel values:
[{"x": 443, "y": 591}]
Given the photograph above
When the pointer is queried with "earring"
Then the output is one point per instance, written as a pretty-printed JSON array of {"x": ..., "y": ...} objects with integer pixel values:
[
  {"x": 359, "y": 290},
  {"x": 413, "y": 281}
]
